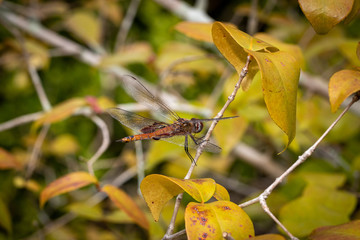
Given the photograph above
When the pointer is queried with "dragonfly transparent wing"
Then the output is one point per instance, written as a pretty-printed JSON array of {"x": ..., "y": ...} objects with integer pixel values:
[
  {"x": 132, "y": 120},
  {"x": 139, "y": 92},
  {"x": 180, "y": 140}
]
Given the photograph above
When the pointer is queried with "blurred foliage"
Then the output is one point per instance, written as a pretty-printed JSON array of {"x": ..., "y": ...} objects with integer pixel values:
[{"x": 152, "y": 46}]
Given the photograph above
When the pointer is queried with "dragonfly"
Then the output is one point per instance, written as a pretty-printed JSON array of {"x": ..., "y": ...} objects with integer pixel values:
[{"x": 178, "y": 130}]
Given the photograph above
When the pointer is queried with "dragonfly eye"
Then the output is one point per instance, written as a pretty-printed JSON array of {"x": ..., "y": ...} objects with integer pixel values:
[{"x": 198, "y": 126}]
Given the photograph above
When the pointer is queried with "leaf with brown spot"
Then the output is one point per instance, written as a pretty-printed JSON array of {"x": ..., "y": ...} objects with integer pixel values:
[
  {"x": 158, "y": 190},
  {"x": 67, "y": 183},
  {"x": 125, "y": 203},
  {"x": 325, "y": 14},
  {"x": 358, "y": 50},
  {"x": 341, "y": 85},
  {"x": 209, "y": 221}
]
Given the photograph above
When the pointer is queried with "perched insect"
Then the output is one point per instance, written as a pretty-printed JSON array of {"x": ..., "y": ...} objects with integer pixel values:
[{"x": 181, "y": 131}]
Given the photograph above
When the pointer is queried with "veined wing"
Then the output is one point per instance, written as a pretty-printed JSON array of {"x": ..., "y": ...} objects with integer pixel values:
[
  {"x": 139, "y": 92},
  {"x": 180, "y": 140},
  {"x": 133, "y": 120}
]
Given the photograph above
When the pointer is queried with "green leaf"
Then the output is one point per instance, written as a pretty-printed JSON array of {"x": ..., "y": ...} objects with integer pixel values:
[
  {"x": 317, "y": 207},
  {"x": 5, "y": 217},
  {"x": 209, "y": 221},
  {"x": 342, "y": 84},
  {"x": 325, "y": 14},
  {"x": 347, "y": 231},
  {"x": 86, "y": 26}
]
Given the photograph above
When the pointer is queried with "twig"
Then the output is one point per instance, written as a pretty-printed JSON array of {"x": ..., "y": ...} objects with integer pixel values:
[
  {"x": 20, "y": 120},
  {"x": 104, "y": 144},
  {"x": 172, "y": 65},
  {"x": 126, "y": 23},
  {"x": 185, "y": 11},
  {"x": 253, "y": 18},
  {"x": 227, "y": 236},
  {"x": 140, "y": 163},
  {"x": 262, "y": 197},
  {"x": 261, "y": 161},
  {"x": 34, "y": 157},
  {"x": 202, "y": 145}
]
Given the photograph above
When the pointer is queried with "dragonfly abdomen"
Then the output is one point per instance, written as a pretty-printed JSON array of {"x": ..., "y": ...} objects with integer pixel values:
[{"x": 154, "y": 136}]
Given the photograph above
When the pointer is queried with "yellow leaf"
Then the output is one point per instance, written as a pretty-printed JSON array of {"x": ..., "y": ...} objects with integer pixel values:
[
  {"x": 232, "y": 43},
  {"x": 196, "y": 30},
  {"x": 342, "y": 84},
  {"x": 39, "y": 56},
  {"x": 125, "y": 203},
  {"x": 324, "y": 15},
  {"x": 221, "y": 194},
  {"x": 158, "y": 190},
  {"x": 60, "y": 112},
  {"x": 139, "y": 52},
  {"x": 280, "y": 76},
  {"x": 64, "y": 144},
  {"x": 66, "y": 184},
  {"x": 85, "y": 26},
  {"x": 8, "y": 161},
  {"x": 209, "y": 221},
  {"x": 293, "y": 49}
]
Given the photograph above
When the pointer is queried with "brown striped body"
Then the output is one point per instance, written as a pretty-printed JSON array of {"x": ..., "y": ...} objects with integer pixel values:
[{"x": 158, "y": 131}]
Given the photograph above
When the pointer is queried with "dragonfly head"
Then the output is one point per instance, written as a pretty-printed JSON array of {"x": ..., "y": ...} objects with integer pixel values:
[{"x": 198, "y": 125}]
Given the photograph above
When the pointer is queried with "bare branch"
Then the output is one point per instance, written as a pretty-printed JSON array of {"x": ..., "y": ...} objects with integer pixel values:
[
  {"x": 104, "y": 144},
  {"x": 20, "y": 120},
  {"x": 126, "y": 23},
  {"x": 185, "y": 11}
]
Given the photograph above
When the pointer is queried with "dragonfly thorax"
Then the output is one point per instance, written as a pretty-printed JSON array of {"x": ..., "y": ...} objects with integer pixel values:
[{"x": 198, "y": 125}]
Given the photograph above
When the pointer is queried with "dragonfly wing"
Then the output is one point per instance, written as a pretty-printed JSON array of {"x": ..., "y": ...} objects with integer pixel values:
[
  {"x": 132, "y": 120},
  {"x": 139, "y": 92},
  {"x": 180, "y": 140}
]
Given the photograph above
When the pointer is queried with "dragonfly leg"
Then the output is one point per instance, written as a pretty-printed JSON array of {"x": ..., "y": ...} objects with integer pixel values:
[{"x": 186, "y": 147}]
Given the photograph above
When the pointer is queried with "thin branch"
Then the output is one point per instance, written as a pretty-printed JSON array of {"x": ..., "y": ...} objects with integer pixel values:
[
  {"x": 262, "y": 198},
  {"x": 140, "y": 163},
  {"x": 185, "y": 11},
  {"x": 261, "y": 161},
  {"x": 34, "y": 157},
  {"x": 253, "y": 18},
  {"x": 172, "y": 65},
  {"x": 104, "y": 144},
  {"x": 126, "y": 23},
  {"x": 202, "y": 145},
  {"x": 227, "y": 236},
  {"x": 20, "y": 120}
]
